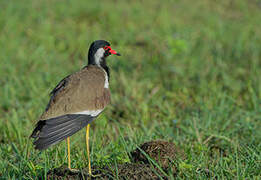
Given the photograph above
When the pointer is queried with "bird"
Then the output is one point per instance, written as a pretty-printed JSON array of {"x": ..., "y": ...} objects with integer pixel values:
[{"x": 76, "y": 101}]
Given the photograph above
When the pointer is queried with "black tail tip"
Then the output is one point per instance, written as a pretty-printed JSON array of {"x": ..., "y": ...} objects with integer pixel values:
[{"x": 37, "y": 129}]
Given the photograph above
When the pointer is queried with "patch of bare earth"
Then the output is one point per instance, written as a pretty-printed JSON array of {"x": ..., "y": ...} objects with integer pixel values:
[
  {"x": 151, "y": 160},
  {"x": 164, "y": 153}
]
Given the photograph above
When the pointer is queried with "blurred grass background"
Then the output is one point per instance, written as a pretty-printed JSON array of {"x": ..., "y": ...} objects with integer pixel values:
[{"x": 189, "y": 73}]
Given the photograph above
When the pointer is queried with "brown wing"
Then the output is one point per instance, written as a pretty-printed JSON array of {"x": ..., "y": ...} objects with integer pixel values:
[{"x": 81, "y": 91}]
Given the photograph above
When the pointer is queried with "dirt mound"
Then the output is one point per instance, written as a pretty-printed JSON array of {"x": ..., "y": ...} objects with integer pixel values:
[
  {"x": 124, "y": 171},
  {"x": 163, "y": 152},
  {"x": 137, "y": 171},
  {"x": 64, "y": 173}
]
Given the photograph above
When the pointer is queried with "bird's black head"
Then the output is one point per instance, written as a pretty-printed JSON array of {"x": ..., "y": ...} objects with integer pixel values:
[{"x": 98, "y": 51}]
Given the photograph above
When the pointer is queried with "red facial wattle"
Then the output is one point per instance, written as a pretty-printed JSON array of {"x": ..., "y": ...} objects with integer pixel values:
[{"x": 111, "y": 51}]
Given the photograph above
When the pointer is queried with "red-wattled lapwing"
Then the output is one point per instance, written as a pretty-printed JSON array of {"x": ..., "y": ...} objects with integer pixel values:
[{"x": 76, "y": 101}]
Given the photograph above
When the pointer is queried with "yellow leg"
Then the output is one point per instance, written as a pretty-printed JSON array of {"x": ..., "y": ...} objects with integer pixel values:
[
  {"x": 69, "y": 153},
  {"x": 87, "y": 146}
]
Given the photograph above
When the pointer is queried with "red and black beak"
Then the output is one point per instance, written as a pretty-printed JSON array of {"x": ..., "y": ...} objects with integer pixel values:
[{"x": 108, "y": 48}]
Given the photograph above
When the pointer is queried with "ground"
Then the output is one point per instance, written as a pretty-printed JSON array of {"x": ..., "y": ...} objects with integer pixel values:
[
  {"x": 189, "y": 74},
  {"x": 152, "y": 160}
]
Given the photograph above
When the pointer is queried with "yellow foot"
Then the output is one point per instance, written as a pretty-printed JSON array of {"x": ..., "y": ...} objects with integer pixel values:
[
  {"x": 74, "y": 170},
  {"x": 96, "y": 175}
]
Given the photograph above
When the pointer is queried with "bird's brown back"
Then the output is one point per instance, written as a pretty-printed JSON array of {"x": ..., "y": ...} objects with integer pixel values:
[{"x": 81, "y": 91}]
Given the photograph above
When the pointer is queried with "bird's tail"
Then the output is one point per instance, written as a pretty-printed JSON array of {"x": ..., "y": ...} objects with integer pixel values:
[{"x": 51, "y": 131}]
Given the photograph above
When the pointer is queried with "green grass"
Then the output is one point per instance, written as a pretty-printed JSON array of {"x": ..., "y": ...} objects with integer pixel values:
[{"x": 190, "y": 72}]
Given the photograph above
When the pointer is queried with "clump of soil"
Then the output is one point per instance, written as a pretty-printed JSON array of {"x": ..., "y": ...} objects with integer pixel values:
[
  {"x": 137, "y": 171},
  {"x": 64, "y": 173},
  {"x": 124, "y": 171},
  {"x": 163, "y": 152}
]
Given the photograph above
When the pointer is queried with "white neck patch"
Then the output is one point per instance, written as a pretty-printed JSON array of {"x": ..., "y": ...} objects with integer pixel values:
[{"x": 98, "y": 56}]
